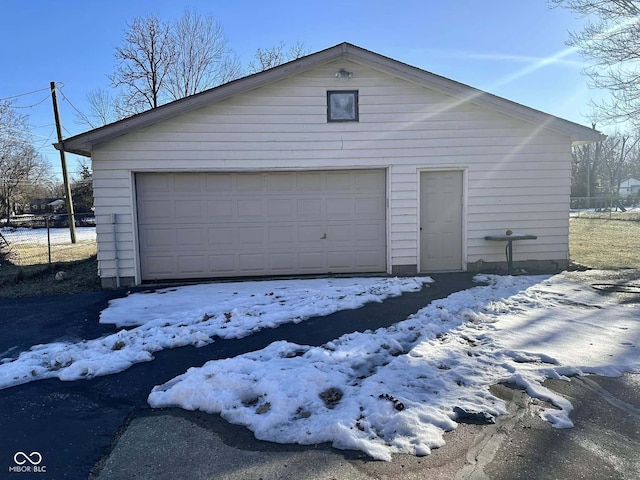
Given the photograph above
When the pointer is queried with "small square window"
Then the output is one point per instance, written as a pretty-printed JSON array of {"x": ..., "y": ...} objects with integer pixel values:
[{"x": 342, "y": 106}]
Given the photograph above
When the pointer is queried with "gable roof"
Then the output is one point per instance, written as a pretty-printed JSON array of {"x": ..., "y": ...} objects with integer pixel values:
[
  {"x": 83, "y": 143},
  {"x": 630, "y": 181},
  {"x": 51, "y": 201}
]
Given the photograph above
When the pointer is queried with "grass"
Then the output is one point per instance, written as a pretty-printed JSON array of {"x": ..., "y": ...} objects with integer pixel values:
[
  {"x": 35, "y": 254},
  {"x": 610, "y": 215},
  {"x": 35, "y": 280},
  {"x": 607, "y": 243},
  {"x": 26, "y": 270}
]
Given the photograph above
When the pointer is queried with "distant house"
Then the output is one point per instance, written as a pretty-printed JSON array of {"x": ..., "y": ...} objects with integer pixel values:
[
  {"x": 629, "y": 188},
  {"x": 45, "y": 205},
  {"x": 343, "y": 161}
]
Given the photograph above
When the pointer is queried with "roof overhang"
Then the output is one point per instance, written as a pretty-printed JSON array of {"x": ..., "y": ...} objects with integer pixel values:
[{"x": 84, "y": 143}]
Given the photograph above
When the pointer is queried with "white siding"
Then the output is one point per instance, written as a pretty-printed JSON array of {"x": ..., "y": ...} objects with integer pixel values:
[{"x": 517, "y": 174}]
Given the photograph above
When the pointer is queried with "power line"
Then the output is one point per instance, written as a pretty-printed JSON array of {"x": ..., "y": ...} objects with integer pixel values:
[
  {"x": 34, "y": 105},
  {"x": 17, "y": 130},
  {"x": 82, "y": 115},
  {"x": 39, "y": 148},
  {"x": 46, "y": 142},
  {"x": 23, "y": 94}
]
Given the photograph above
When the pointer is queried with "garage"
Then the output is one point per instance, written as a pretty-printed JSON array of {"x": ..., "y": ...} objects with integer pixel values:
[
  {"x": 231, "y": 224},
  {"x": 342, "y": 161}
]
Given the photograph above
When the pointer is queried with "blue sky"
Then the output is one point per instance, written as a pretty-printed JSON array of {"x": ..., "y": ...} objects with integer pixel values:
[{"x": 512, "y": 48}]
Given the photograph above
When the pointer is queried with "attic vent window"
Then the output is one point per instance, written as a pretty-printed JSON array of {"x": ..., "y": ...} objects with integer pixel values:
[{"x": 342, "y": 106}]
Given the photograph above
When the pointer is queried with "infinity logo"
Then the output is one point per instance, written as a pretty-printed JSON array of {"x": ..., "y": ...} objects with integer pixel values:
[{"x": 34, "y": 458}]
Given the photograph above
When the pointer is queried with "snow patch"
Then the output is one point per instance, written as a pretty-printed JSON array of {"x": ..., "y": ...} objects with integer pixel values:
[
  {"x": 196, "y": 315},
  {"x": 437, "y": 366}
]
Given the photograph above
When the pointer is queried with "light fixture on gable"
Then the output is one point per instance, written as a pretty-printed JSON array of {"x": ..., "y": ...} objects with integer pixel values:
[{"x": 342, "y": 73}]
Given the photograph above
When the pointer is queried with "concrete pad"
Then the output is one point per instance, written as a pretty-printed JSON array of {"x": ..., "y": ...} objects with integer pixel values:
[
  {"x": 189, "y": 446},
  {"x": 604, "y": 444},
  {"x": 173, "y": 443}
]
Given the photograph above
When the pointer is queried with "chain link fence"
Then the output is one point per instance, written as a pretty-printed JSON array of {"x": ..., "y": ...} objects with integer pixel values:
[
  {"x": 607, "y": 208},
  {"x": 45, "y": 239}
]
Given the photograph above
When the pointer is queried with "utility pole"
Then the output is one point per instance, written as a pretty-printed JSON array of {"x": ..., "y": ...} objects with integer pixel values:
[
  {"x": 590, "y": 164},
  {"x": 63, "y": 160}
]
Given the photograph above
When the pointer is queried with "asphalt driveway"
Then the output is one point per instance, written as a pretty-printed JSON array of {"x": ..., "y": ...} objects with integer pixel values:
[
  {"x": 104, "y": 428},
  {"x": 74, "y": 424}
]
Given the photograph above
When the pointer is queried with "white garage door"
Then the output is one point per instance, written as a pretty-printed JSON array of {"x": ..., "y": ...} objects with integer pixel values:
[{"x": 199, "y": 225}]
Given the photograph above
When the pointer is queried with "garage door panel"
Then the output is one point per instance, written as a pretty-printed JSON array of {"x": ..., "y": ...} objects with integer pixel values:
[
  {"x": 219, "y": 182},
  {"x": 280, "y": 182},
  {"x": 250, "y": 182},
  {"x": 197, "y": 225},
  {"x": 340, "y": 233},
  {"x": 308, "y": 208},
  {"x": 283, "y": 208},
  {"x": 188, "y": 183},
  {"x": 282, "y": 262},
  {"x": 339, "y": 261},
  {"x": 220, "y": 209},
  {"x": 306, "y": 182},
  {"x": 154, "y": 211},
  {"x": 340, "y": 207},
  {"x": 370, "y": 181},
  {"x": 191, "y": 237},
  {"x": 250, "y": 236},
  {"x": 309, "y": 235},
  {"x": 192, "y": 265},
  {"x": 369, "y": 259},
  {"x": 219, "y": 237},
  {"x": 160, "y": 183},
  {"x": 222, "y": 265},
  {"x": 369, "y": 207},
  {"x": 280, "y": 235},
  {"x": 189, "y": 210},
  {"x": 311, "y": 262},
  {"x": 157, "y": 237},
  {"x": 339, "y": 181},
  {"x": 250, "y": 208},
  {"x": 369, "y": 232},
  {"x": 252, "y": 262},
  {"x": 160, "y": 265}
]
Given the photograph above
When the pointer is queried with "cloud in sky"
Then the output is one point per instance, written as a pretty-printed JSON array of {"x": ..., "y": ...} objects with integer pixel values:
[{"x": 534, "y": 61}]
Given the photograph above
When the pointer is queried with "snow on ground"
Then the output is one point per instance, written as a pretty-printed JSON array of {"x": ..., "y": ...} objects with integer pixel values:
[
  {"x": 58, "y": 236},
  {"x": 195, "y": 315},
  {"x": 612, "y": 210},
  {"x": 399, "y": 389}
]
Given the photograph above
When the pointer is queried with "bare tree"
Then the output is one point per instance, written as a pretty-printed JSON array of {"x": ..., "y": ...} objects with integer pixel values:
[
  {"x": 585, "y": 161},
  {"x": 617, "y": 157},
  {"x": 104, "y": 108},
  {"x": 58, "y": 190},
  {"x": 202, "y": 57},
  {"x": 144, "y": 60},
  {"x": 612, "y": 41},
  {"x": 230, "y": 69},
  {"x": 162, "y": 61},
  {"x": 266, "y": 58},
  {"x": 21, "y": 167},
  {"x": 599, "y": 168}
]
